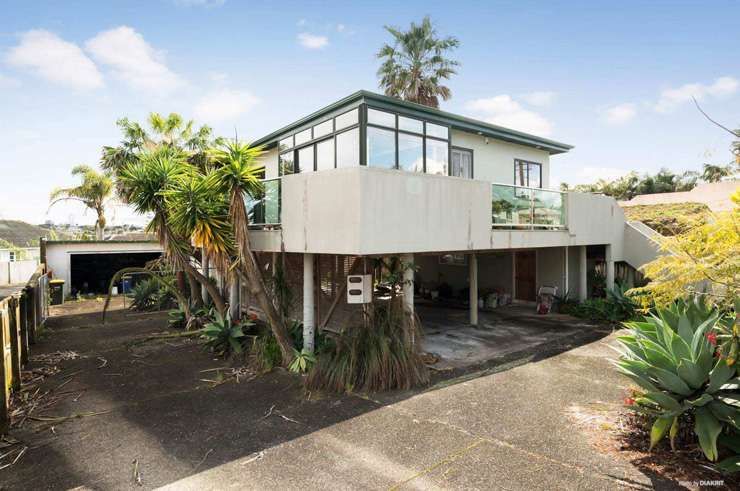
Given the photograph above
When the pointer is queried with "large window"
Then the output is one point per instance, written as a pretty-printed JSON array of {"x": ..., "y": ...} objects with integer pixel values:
[
  {"x": 527, "y": 174},
  {"x": 348, "y": 148},
  {"x": 325, "y": 154},
  {"x": 381, "y": 148},
  {"x": 305, "y": 159},
  {"x": 286, "y": 163},
  {"x": 410, "y": 152},
  {"x": 437, "y": 157}
]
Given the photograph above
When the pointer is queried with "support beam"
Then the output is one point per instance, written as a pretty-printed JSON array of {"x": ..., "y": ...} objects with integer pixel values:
[
  {"x": 473, "y": 279},
  {"x": 609, "y": 267},
  {"x": 566, "y": 270},
  {"x": 309, "y": 319},
  {"x": 408, "y": 282},
  {"x": 582, "y": 274}
]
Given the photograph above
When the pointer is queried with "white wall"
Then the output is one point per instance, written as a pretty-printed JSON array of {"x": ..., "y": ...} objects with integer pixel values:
[
  {"x": 270, "y": 160},
  {"x": 494, "y": 161},
  {"x": 58, "y": 254},
  {"x": 17, "y": 272}
]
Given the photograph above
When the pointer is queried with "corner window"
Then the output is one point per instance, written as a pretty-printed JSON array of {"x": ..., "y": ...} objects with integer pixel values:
[
  {"x": 410, "y": 152},
  {"x": 348, "y": 148},
  {"x": 346, "y": 120},
  {"x": 527, "y": 174},
  {"x": 381, "y": 148},
  {"x": 437, "y": 157},
  {"x": 286, "y": 163}
]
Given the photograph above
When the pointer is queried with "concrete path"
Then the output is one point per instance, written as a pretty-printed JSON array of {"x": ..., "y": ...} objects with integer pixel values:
[{"x": 149, "y": 418}]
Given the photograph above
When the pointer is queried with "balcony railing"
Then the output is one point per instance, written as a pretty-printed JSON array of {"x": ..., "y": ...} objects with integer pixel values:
[
  {"x": 264, "y": 210},
  {"x": 520, "y": 207}
]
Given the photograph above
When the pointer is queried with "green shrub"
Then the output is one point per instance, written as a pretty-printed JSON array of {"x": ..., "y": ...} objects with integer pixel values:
[
  {"x": 672, "y": 357},
  {"x": 266, "y": 351},
  {"x": 148, "y": 296},
  {"x": 616, "y": 307},
  {"x": 223, "y": 336},
  {"x": 384, "y": 354}
]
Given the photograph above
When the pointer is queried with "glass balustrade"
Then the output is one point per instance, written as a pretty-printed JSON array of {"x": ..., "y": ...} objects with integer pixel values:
[
  {"x": 520, "y": 207},
  {"x": 264, "y": 209}
]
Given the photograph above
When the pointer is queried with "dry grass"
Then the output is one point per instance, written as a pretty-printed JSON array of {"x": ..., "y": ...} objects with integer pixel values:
[{"x": 669, "y": 219}]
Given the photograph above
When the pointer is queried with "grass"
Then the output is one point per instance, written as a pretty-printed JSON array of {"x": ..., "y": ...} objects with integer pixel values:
[{"x": 669, "y": 219}]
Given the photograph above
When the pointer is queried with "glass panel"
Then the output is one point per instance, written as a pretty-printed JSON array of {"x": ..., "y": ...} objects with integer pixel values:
[
  {"x": 264, "y": 208},
  {"x": 381, "y": 118},
  {"x": 305, "y": 159},
  {"x": 408, "y": 124},
  {"x": 348, "y": 148},
  {"x": 527, "y": 174},
  {"x": 381, "y": 148},
  {"x": 325, "y": 154},
  {"x": 323, "y": 129},
  {"x": 437, "y": 131},
  {"x": 535, "y": 173},
  {"x": 437, "y": 157},
  {"x": 303, "y": 137},
  {"x": 285, "y": 144},
  {"x": 410, "y": 152},
  {"x": 549, "y": 208},
  {"x": 346, "y": 119},
  {"x": 286, "y": 163},
  {"x": 511, "y": 205}
]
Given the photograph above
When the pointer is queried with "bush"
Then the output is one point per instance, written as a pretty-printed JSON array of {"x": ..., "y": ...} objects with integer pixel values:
[
  {"x": 266, "y": 352},
  {"x": 672, "y": 357},
  {"x": 148, "y": 296},
  {"x": 382, "y": 355},
  {"x": 616, "y": 307},
  {"x": 223, "y": 336}
]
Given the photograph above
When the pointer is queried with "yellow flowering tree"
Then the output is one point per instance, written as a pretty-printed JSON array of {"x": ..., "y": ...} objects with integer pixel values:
[{"x": 706, "y": 257}]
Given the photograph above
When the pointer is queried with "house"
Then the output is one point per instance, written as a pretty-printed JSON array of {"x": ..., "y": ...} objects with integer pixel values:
[{"x": 466, "y": 202}]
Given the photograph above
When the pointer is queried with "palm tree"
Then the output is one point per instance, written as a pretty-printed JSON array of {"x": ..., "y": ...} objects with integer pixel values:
[
  {"x": 94, "y": 192},
  {"x": 415, "y": 66},
  {"x": 715, "y": 173},
  {"x": 239, "y": 173}
]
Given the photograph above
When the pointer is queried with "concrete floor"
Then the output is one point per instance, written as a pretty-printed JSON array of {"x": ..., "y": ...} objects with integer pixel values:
[{"x": 500, "y": 332}]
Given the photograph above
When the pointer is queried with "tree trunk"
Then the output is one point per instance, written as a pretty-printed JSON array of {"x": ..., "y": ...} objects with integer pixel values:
[
  {"x": 216, "y": 296},
  {"x": 98, "y": 232},
  {"x": 195, "y": 292}
]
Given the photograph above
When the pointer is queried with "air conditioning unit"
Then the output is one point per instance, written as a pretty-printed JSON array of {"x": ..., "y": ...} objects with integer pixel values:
[{"x": 359, "y": 288}]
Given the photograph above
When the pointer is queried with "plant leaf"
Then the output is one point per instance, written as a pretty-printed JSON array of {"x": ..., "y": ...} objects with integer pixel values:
[
  {"x": 691, "y": 373},
  {"x": 707, "y": 428},
  {"x": 658, "y": 431},
  {"x": 720, "y": 374},
  {"x": 663, "y": 400}
]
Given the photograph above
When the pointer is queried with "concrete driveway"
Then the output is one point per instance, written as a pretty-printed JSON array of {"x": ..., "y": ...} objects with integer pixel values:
[{"x": 146, "y": 416}]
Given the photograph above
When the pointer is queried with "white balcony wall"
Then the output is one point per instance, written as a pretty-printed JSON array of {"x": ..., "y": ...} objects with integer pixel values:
[
  {"x": 494, "y": 161},
  {"x": 270, "y": 160}
]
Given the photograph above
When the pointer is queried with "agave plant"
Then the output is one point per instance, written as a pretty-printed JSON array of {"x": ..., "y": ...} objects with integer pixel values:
[
  {"x": 224, "y": 336},
  {"x": 672, "y": 357}
]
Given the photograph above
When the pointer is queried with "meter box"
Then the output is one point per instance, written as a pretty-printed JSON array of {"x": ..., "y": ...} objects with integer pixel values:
[{"x": 359, "y": 288}]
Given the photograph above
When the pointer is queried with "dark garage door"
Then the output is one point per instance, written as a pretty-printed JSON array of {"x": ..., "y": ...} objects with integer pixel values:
[{"x": 91, "y": 273}]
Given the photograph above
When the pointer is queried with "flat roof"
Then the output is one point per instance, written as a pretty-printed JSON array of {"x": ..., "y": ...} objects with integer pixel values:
[{"x": 429, "y": 113}]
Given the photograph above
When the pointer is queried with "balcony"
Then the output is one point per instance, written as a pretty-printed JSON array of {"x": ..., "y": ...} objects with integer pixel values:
[{"x": 520, "y": 207}]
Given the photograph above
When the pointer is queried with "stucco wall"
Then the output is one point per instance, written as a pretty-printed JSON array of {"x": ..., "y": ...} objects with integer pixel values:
[
  {"x": 58, "y": 254},
  {"x": 270, "y": 160},
  {"x": 494, "y": 161}
]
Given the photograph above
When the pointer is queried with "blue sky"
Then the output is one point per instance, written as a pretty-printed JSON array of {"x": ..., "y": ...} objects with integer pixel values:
[{"x": 614, "y": 79}]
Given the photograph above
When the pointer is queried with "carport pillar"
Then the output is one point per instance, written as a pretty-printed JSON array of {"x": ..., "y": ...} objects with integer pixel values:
[
  {"x": 609, "y": 267},
  {"x": 582, "y": 274},
  {"x": 309, "y": 320},
  {"x": 407, "y": 261},
  {"x": 473, "y": 279},
  {"x": 234, "y": 298}
]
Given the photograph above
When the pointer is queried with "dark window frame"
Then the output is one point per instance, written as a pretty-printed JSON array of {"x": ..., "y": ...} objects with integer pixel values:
[
  {"x": 528, "y": 162},
  {"x": 472, "y": 158}
]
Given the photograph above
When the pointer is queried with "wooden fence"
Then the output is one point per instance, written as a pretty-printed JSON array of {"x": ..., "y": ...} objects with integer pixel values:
[{"x": 21, "y": 315}]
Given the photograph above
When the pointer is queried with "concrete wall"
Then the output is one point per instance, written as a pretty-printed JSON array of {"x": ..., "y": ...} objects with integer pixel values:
[
  {"x": 494, "y": 161},
  {"x": 16, "y": 272},
  {"x": 270, "y": 160},
  {"x": 551, "y": 268},
  {"x": 495, "y": 272},
  {"x": 640, "y": 246},
  {"x": 58, "y": 254}
]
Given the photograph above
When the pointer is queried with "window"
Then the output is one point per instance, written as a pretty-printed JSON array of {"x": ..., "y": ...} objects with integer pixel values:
[
  {"x": 323, "y": 129},
  {"x": 347, "y": 119},
  {"x": 410, "y": 152},
  {"x": 381, "y": 118},
  {"x": 412, "y": 125},
  {"x": 303, "y": 137},
  {"x": 325, "y": 154},
  {"x": 462, "y": 163},
  {"x": 381, "y": 148},
  {"x": 348, "y": 148},
  {"x": 437, "y": 131},
  {"x": 286, "y": 163},
  {"x": 527, "y": 174},
  {"x": 437, "y": 157},
  {"x": 285, "y": 144},
  {"x": 11, "y": 256},
  {"x": 305, "y": 159}
]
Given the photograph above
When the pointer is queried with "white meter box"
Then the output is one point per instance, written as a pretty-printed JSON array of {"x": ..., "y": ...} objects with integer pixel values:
[{"x": 359, "y": 288}]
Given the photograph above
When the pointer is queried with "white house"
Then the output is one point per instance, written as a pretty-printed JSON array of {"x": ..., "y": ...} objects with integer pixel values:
[{"x": 466, "y": 201}]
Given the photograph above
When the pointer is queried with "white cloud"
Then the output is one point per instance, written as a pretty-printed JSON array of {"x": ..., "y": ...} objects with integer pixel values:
[
  {"x": 8, "y": 82},
  {"x": 133, "y": 60},
  {"x": 539, "y": 98},
  {"x": 56, "y": 60},
  {"x": 505, "y": 111},
  {"x": 224, "y": 105},
  {"x": 620, "y": 114},
  {"x": 674, "y": 97},
  {"x": 312, "y": 41}
]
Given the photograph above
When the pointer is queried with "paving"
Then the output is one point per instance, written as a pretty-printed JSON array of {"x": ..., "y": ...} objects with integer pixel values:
[{"x": 148, "y": 417}]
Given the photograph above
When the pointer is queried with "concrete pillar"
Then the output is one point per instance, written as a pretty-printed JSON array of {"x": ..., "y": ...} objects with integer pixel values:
[
  {"x": 408, "y": 282},
  {"x": 309, "y": 320},
  {"x": 473, "y": 279},
  {"x": 582, "y": 274},
  {"x": 234, "y": 298},
  {"x": 566, "y": 270},
  {"x": 609, "y": 268}
]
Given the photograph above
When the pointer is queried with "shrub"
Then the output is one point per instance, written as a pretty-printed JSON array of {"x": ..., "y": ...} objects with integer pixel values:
[
  {"x": 148, "y": 296},
  {"x": 266, "y": 352},
  {"x": 672, "y": 357},
  {"x": 616, "y": 307},
  {"x": 384, "y": 354},
  {"x": 223, "y": 336}
]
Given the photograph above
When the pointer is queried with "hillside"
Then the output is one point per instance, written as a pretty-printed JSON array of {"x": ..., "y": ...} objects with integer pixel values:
[
  {"x": 669, "y": 219},
  {"x": 22, "y": 234}
]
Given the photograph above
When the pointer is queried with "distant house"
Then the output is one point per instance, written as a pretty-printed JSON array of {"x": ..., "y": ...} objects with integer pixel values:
[
  {"x": 715, "y": 195},
  {"x": 19, "y": 241}
]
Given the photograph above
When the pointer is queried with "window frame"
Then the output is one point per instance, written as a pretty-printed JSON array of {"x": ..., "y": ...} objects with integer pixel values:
[
  {"x": 472, "y": 159},
  {"x": 528, "y": 162}
]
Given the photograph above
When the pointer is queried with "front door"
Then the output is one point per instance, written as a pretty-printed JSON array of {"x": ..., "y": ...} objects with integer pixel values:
[
  {"x": 526, "y": 275},
  {"x": 462, "y": 163}
]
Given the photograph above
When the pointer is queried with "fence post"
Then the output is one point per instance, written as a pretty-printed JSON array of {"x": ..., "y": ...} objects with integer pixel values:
[
  {"x": 5, "y": 392},
  {"x": 23, "y": 323},
  {"x": 15, "y": 341},
  {"x": 31, "y": 316}
]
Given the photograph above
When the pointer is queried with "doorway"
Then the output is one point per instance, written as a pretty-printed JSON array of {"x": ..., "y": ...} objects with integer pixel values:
[{"x": 525, "y": 275}]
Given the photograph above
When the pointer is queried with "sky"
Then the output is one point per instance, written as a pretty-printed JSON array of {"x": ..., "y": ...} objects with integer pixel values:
[{"x": 615, "y": 79}]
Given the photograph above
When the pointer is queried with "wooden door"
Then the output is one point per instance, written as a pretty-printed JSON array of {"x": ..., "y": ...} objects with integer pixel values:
[{"x": 526, "y": 275}]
